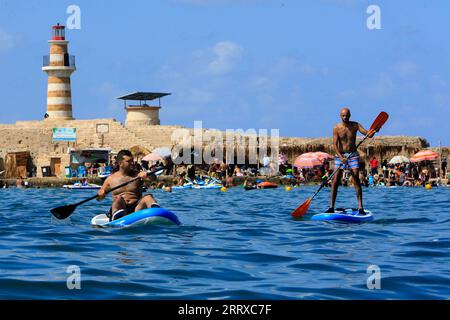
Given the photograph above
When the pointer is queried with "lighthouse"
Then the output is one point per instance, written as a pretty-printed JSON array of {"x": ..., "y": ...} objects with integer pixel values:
[{"x": 59, "y": 65}]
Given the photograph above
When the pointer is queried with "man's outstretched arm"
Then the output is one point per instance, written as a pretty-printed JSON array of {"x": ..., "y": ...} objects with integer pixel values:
[{"x": 364, "y": 131}]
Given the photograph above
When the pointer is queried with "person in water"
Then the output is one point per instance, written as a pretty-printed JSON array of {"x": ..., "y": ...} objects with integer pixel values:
[
  {"x": 249, "y": 185},
  {"x": 347, "y": 157},
  {"x": 127, "y": 199}
]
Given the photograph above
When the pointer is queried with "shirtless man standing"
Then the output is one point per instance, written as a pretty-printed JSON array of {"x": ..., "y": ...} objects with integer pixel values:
[
  {"x": 127, "y": 199},
  {"x": 344, "y": 142}
]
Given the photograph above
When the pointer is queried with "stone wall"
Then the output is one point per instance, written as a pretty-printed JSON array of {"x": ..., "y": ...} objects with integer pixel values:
[{"x": 36, "y": 137}]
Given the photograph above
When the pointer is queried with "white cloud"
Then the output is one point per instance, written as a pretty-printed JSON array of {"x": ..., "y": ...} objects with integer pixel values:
[
  {"x": 7, "y": 41},
  {"x": 226, "y": 55},
  {"x": 200, "y": 97},
  {"x": 406, "y": 68},
  {"x": 438, "y": 82},
  {"x": 107, "y": 92},
  {"x": 167, "y": 73},
  {"x": 308, "y": 69},
  {"x": 381, "y": 88},
  {"x": 107, "y": 88},
  {"x": 286, "y": 65},
  {"x": 442, "y": 101},
  {"x": 439, "y": 93},
  {"x": 261, "y": 83},
  {"x": 347, "y": 94}
]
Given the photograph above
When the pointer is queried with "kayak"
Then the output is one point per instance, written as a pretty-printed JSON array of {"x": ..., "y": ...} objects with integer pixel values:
[
  {"x": 208, "y": 186},
  {"x": 186, "y": 186},
  {"x": 79, "y": 186},
  {"x": 138, "y": 218},
  {"x": 267, "y": 185},
  {"x": 344, "y": 215},
  {"x": 196, "y": 186}
]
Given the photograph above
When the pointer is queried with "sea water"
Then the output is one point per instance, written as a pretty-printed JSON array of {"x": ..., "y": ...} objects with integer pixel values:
[{"x": 231, "y": 245}]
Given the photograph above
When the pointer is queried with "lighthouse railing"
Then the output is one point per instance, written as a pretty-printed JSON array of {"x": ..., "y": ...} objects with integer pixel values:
[{"x": 69, "y": 61}]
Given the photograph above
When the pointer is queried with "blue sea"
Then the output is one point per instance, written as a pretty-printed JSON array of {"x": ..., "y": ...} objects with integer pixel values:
[{"x": 231, "y": 245}]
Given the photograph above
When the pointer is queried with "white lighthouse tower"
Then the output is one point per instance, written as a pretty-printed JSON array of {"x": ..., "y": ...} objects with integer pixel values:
[{"x": 59, "y": 66}]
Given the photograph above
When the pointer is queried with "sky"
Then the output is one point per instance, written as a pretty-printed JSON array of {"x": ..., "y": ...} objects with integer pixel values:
[{"x": 240, "y": 64}]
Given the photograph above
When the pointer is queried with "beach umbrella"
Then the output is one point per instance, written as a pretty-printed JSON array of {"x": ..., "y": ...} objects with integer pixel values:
[
  {"x": 307, "y": 161},
  {"x": 164, "y": 152},
  {"x": 152, "y": 157},
  {"x": 399, "y": 159},
  {"x": 323, "y": 155},
  {"x": 424, "y": 155},
  {"x": 307, "y": 155},
  {"x": 318, "y": 154}
]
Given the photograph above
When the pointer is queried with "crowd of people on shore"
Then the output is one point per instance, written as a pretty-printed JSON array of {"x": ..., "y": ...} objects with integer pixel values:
[
  {"x": 402, "y": 174},
  {"x": 405, "y": 174},
  {"x": 376, "y": 174}
]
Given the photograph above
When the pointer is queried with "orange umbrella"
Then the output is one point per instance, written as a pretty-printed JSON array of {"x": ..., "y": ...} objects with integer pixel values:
[{"x": 424, "y": 155}]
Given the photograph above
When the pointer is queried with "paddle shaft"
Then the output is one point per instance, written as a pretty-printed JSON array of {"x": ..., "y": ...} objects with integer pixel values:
[
  {"x": 118, "y": 187},
  {"x": 112, "y": 189}
]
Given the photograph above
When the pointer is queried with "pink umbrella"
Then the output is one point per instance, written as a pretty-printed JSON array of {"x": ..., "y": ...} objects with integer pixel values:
[
  {"x": 152, "y": 157},
  {"x": 308, "y": 161},
  {"x": 307, "y": 155},
  {"x": 323, "y": 156},
  {"x": 424, "y": 155}
]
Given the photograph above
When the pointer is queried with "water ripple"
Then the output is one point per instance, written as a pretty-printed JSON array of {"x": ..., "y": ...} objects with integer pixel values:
[{"x": 233, "y": 245}]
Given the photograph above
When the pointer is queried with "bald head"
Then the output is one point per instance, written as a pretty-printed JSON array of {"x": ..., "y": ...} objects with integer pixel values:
[
  {"x": 345, "y": 115},
  {"x": 345, "y": 109}
]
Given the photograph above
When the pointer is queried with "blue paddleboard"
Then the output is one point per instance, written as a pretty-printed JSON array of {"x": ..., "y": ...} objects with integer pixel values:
[
  {"x": 138, "y": 218},
  {"x": 344, "y": 215}
]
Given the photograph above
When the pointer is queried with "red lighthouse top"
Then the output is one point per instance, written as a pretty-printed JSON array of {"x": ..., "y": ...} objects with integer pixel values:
[{"x": 58, "y": 32}]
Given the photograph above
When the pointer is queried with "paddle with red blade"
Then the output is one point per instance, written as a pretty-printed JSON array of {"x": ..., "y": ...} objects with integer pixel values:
[{"x": 375, "y": 127}]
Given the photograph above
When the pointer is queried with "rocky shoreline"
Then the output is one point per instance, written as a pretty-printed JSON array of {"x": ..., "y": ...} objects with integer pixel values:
[{"x": 55, "y": 182}]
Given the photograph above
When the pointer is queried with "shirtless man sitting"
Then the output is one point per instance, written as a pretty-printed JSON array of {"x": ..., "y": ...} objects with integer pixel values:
[
  {"x": 344, "y": 142},
  {"x": 127, "y": 199}
]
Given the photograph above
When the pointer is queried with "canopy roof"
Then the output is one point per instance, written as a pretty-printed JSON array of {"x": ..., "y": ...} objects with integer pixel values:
[{"x": 143, "y": 96}]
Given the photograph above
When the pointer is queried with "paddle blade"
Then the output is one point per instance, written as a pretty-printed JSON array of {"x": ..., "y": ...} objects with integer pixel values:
[
  {"x": 63, "y": 212},
  {"x": 302, "y": 209},
  {"x": 379, "y": 122}
]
